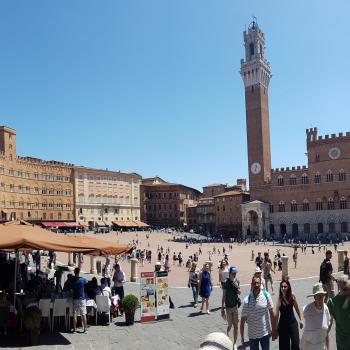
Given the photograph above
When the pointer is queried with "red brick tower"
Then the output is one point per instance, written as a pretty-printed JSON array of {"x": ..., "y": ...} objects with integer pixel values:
[{"x": 255, "y": 72}]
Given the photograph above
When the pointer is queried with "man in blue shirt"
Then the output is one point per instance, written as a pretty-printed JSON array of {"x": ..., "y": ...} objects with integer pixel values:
[{"x": 79, "y": 302}]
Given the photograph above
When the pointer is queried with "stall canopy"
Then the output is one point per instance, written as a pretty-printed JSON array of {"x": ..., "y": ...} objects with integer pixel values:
[
  {"x": 20, "y": 235},
  {"x": 130, "y": 223},
  {"x": 60, "y": 224}
]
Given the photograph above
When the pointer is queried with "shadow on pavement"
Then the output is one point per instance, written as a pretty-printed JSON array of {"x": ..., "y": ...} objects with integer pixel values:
[
  {"x": 185, "y": 306},
  {"x": 19, "y": 341}
]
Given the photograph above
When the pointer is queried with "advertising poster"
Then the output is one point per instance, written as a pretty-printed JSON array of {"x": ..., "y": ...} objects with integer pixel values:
[
  {"x": 43, "y": 263},
  {"x": 162, "y": 294},
  {"x": 148, "y": 297}
]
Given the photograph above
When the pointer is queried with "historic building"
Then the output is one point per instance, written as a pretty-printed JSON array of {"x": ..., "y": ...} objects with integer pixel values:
[
  {"x": 228, "y": 215},
  {"x": 32, "y": 189},
  {"x": 104, "y": 197},
  {"x": 165, "y": 204},
  {"x": 301, "y": 201}
]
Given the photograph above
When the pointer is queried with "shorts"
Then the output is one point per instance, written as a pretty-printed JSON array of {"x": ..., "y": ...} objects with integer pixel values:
[
  {"x": 79, "y": 307},
  {"x": 232, "y": 316},
  {"x": 329, "y": 288}
]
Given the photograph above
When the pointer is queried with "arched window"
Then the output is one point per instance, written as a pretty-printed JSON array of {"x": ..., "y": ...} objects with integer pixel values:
[
  {"x": 343, "y": 204},
  {"x": 304, "y": 179},
  {"x": 306, "y": 206},
  {"x": 320, "y": 227},
  {"x": 331, "y": 227},
  {"x": 342, "y": 175},
  {"x": 329, "y": 176},
  {"x": 271, "y": 208},
  {"x": 319, "y": 205},
  {"x": 317, "y": 178},
  {"x": 293, "y": 180},
  {"x": 307, "y": 229},
  {"x": 295, "y": 230},
  {"x": 281, "y": 207},
  {"x": 251, "y": 49},
  {"x": 344, "y": 227},
  {"x": 44, "y": 205},
  {"x": 330, "y": 204},
  {"x": 280, "y": 181},
  {"x": 283, "y": 229},
  {"x": 293, "y": 206}
]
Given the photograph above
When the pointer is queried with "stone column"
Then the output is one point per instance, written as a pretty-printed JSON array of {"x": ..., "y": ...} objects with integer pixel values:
[
  {"x": 284, "y": 266},
  {"x": 133, "y": 275},
  {"x": 93, "y": 270},
  {"x": 340, "y": 260},
  {"x": 70, "y": 259}
]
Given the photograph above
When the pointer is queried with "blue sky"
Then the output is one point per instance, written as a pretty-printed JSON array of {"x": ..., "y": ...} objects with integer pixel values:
[{"x": 152, "y": 86}]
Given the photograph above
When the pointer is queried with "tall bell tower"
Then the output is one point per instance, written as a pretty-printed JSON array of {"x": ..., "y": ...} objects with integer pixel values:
[{"x": 255, "y": 72}]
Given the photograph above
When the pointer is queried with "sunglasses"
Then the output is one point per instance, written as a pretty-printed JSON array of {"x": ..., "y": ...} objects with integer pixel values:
[{"x": 284, "y": 286}]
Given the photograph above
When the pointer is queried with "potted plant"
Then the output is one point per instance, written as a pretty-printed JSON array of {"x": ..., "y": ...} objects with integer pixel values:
[
  {"x": 130, "y": 303},
  {"x": 32, "y": 322}
]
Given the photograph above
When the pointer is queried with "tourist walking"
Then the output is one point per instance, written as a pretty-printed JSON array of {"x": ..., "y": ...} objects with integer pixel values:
[
  {"x": 339, "y": 309},
  {"x": 317, "y": 322},
  {"x": 326, "y": 277},
  {"x": 119, "y": 281},
  {"x": 193, "y": 280},
  {"x": 288, "y": 331},
  {"x": 256, "y": 311},
  {"x": 230, "y": 302},
  {"x": 346, "y": 263},
  {"x": 258, "y": 260},
  {"x": 267, "y": 268},
  {"x": 205, "y": 286},
  {"x": 106, "y": 271},
  {"x": 223, "y": 272},
  {"x": 295, "y": 257},
  {"x": 79, "y": 303}
]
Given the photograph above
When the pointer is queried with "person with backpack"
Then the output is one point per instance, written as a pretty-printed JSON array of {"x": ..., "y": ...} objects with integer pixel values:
[
  {"x": 258, "y": 313},
  {"x": 326, "y": 277},
  {"x": 230, "y": 300}
]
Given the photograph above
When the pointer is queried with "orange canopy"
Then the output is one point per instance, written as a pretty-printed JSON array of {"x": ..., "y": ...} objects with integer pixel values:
[{"x": 20, "y": 235}]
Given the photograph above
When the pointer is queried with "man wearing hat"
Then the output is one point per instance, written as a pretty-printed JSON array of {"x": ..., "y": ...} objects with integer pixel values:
[
  {"x": 230, "y": 300},
  {"x": 317, "y": 321},
  {"x": 339, "y": 308},
  {"x": 258, "y": 273}
]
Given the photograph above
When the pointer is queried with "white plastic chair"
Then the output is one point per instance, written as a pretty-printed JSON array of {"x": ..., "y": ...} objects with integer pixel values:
[
  {"x": 102, "y": 303},
  {"x": 59, "y": 310},
  {"x": 45, "y": 308}
]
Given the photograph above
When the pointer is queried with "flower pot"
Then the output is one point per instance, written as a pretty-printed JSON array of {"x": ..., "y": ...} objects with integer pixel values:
[
  {"x": 129, "y": 318},
  {"x": 34, "y": 337}
]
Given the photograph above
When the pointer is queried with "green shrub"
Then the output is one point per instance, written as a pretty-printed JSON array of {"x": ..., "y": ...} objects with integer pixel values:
[{"x": 130, "y": 303}]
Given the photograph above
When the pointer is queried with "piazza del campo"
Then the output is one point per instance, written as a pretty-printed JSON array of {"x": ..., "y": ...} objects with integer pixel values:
[{"x": 94, "y": 258}]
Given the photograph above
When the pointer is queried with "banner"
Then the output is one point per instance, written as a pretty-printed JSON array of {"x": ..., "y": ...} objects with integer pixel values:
[
  {"x": 148, "y": 297},
  {"x": 162, "y": 294}
]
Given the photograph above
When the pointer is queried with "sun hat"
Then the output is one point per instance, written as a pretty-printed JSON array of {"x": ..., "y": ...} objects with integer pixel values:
[
  {"x": 217, "y": 341},
  {"x": 258, "y": 270},
  {"x": 317, "y": 289},
  {"x": 233, "y": 269},
  {"x": 158, "y": 263}
]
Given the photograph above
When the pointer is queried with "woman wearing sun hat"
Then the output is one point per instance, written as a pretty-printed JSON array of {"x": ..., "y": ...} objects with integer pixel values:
[
  {"x": 317, "y": 321},
  {"x": 216, "y": 341}
]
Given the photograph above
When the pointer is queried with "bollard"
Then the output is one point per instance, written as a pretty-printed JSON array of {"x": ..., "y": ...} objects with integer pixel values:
[
  {"x": 284, "y": 266},
  {"x": 133, "y": 275},
  {"x": 340, "y": 260},
  {"x": 70, "y": 259},
  {"x": 93, "y": 270}
]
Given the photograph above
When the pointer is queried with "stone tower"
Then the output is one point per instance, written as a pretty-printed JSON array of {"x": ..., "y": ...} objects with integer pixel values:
[{"x": 255, "y": 72}]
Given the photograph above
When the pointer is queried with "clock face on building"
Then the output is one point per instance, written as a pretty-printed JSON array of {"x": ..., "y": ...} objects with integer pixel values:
[
  {"x": 255, "y": 168},
  {"x": 334, "y": 153}
]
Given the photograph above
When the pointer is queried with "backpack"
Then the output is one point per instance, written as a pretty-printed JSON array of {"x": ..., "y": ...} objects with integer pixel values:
[{"x": 323, "y": 272}]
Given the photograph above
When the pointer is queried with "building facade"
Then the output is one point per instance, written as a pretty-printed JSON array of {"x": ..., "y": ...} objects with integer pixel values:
[
  {"x": 32, "y": 189},
  {"x": 228, "y": 215},
  {"x": 301, "y": 202},
  {"x": 165, "y": 204},
  {"x": 104, "y": 196}
]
